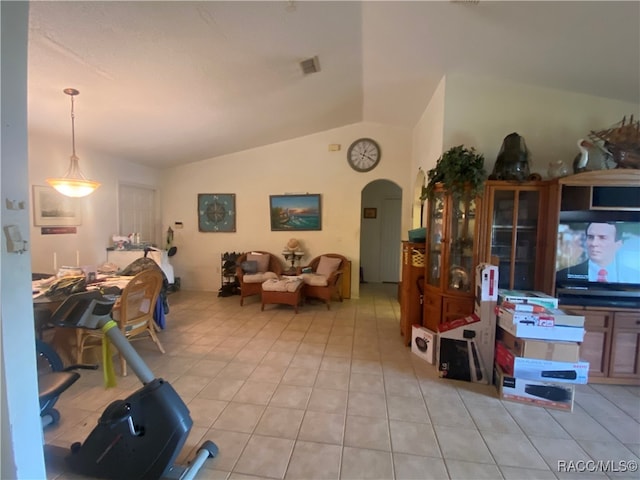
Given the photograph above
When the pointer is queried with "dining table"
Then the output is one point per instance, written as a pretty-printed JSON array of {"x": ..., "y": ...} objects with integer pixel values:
[{"x": 62, "y": 339}]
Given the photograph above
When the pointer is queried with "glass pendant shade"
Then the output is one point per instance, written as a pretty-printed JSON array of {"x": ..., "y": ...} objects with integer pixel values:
[{"x": 74, "y": 183}]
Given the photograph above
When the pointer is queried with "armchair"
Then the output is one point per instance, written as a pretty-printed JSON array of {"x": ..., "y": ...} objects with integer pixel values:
[
  {"x": 324, "y": 280},
  {"x": 253, "y": 268}
]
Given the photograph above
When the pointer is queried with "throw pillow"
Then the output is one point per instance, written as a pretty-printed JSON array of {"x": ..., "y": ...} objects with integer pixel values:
[
  {"x": 327, "y": 265},
  {"x": 262, "y": 260},
  {"x": 249, "y": 266}
]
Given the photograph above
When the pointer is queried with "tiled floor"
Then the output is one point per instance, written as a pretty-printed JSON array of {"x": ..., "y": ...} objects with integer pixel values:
[{"x": 336, "y": 395}]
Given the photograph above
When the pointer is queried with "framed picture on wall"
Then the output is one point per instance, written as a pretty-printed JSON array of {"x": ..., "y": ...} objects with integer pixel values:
[
  {"x": 217, "y": 212},
  {"x": 52, "y": 209},
  {"x": 295, "y": 212},
  {"x": 370, "y": 213}
]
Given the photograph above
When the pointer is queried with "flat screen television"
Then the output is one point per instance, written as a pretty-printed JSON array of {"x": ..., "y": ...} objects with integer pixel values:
[{"x": 598, "y": 258}]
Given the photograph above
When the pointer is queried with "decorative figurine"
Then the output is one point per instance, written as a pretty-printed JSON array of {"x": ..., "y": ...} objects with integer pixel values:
[{"x": 513, "y": 160}]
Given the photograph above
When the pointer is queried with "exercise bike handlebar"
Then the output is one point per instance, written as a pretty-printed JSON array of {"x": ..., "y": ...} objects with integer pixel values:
[{"x": 92, "y": 310}]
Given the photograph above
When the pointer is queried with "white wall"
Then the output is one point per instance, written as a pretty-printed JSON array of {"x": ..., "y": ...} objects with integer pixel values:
[
  {"x": 481, "y": 111},
  {"x": 21, "y": 453},
  {"x": 302, "y": 165},
  {"x": 49, "y": 157},
  {"x": 429, "y": 132}
]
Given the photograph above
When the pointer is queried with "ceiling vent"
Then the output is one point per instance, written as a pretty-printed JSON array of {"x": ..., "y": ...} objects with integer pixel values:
[{"x": 310, "y": 65}]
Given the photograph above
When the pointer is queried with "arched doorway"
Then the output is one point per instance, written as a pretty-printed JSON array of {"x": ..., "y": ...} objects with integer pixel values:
[{"x": 380, "y": 232}]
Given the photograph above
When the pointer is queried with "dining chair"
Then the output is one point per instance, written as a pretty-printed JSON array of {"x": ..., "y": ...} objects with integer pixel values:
[{"x": 133, "y": 312}]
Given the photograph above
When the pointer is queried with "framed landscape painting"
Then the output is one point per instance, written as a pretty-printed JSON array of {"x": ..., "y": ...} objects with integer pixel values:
[
  {"x": 52, "y": 209},
  {"x": 295, "y": 212}
]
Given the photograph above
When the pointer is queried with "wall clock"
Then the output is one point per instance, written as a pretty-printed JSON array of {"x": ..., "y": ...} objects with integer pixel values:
[
  {"x": 363, "y": 155},
  {"x": 216, "y": 212}
]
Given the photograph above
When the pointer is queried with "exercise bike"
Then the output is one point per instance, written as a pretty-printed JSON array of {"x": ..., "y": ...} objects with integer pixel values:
[
  {"x": 142, "y": 435},
  {"x": 53, "y": 379}
]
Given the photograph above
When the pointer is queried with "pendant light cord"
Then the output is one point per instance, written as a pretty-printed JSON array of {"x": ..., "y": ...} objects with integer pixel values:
[{"x": 73, "y": 129}]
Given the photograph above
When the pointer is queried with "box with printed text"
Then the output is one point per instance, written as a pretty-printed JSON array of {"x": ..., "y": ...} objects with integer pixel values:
[
  {"x": 550, "y": 371},
  {"x": 466, "y": 345},
  {"x": 533, "y": 392},
  {"x": 530, "y": 329},
  {"x": 525, "y": 296},
  {"x": 423, "y": 343}
]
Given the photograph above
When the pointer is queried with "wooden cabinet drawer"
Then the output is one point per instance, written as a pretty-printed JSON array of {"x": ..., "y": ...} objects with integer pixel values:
[
  {"x": 596, "y": 319},
  {"x": 453, "y": 308},
  {"x": 627, "y": 320}
]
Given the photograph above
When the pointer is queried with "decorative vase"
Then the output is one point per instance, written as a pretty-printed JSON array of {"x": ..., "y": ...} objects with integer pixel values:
[{"x": 557, "y": 169}]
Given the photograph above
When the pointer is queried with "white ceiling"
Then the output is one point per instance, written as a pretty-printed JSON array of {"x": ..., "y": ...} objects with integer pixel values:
[{"x": 168, "y": 83}]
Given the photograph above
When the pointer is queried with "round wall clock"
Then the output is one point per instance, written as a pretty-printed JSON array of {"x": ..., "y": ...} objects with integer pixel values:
[{"x": 363, "y": 155}]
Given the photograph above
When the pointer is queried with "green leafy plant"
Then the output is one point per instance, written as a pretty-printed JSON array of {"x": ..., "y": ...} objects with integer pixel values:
[{"x": 460, "y": 170}]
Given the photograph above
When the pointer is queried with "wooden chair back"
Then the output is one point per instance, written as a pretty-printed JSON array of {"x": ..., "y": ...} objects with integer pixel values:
[{"x": 134, "y": 313}]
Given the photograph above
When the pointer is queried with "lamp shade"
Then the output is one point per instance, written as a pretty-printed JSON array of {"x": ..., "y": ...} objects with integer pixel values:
[{"x": 72, "y": 187}]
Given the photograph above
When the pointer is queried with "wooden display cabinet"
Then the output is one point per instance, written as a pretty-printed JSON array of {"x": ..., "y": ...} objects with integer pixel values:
[
  {"x": 514, "y": 232},
  {"x": 410, "y": 295},
  {"x": 451, "y": 257}
]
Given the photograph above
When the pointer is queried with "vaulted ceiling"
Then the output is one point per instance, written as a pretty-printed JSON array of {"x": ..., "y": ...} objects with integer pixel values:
[{"x": 168, "y": 83}]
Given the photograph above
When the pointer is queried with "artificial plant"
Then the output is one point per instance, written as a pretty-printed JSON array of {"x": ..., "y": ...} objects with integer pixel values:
[{"x": 460, "y": 170}]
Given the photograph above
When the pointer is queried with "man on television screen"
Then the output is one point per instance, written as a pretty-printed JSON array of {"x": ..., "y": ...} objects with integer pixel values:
[{"x": 603, "y": 242}]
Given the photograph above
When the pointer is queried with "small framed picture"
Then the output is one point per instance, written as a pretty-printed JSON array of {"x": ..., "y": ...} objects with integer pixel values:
[
  {"x": 217, "y": 212},
  {"x": 370, "y": 213}
]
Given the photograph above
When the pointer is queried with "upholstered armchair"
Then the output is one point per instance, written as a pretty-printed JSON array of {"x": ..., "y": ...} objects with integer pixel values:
[
  {"x": 322, "y": 277},
  {"x": 253, "y": 268}
]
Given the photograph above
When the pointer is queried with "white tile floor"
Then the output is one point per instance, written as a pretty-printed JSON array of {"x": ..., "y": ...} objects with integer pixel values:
[{"x": 336, "y": 395}]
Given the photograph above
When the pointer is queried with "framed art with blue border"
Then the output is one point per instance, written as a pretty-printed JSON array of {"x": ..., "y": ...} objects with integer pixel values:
[{"x": 217, "y": 212}]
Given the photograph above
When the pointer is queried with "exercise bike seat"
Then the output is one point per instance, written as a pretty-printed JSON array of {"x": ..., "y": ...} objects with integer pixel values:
[{"x": 52, "y": 384}]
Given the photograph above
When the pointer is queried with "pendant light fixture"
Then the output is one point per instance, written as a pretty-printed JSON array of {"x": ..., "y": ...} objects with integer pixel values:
[{"x": 74, "y": 183}]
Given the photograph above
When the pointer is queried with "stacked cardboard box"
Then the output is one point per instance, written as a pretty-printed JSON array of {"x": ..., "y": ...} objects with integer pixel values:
[
  {"x": 537, "y": 350},
  {"x": 465, "y": 347}
]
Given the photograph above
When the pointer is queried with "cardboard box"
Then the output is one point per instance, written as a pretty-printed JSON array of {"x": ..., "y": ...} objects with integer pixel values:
[
  {"x": 484, "y": 305},
  {"x": 423, "y": 343},
  {"x": 550, "y": 371},
  {"x": 486, "y": 283},
  {"x": 528, "y": 329},
  {"x": 550, "y": 318},
  {"x": 547, "y": 350},
  {"x": 504, "y": 358},
  {"x": 459, "y": 355},
  {"x": 525, "y": 296},
  {"x": 466, "y": 345},
  {"x": 532, "y": 392}
]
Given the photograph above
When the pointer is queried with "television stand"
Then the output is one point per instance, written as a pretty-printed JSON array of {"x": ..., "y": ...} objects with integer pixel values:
[{"x": 612, "y": 313}]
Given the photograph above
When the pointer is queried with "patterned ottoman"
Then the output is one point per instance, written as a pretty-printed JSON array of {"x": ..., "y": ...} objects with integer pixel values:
[{"x": 286, "y": 291}]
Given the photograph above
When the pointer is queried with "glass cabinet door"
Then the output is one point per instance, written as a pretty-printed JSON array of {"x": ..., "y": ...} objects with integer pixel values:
[
  {"x": 435, "y": 230},
  {"x": 514, "y": 237},
  {"x": 460, "y": 271}
]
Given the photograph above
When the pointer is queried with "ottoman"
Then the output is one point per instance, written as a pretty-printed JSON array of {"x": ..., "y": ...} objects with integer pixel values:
[{"x": 285, "y": 291}]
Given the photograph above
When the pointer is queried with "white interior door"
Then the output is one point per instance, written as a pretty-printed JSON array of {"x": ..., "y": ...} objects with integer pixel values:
[{"x": 390, "y": 240}]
